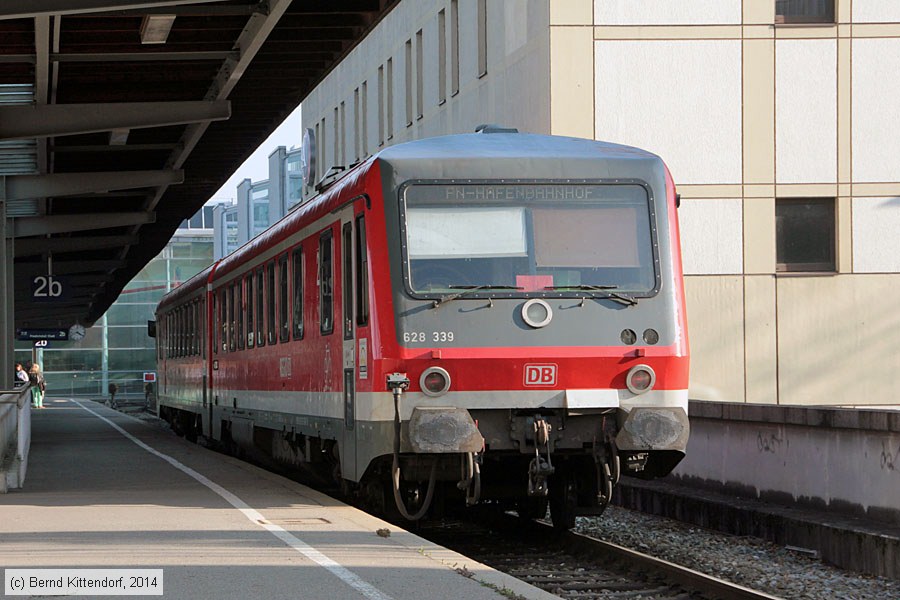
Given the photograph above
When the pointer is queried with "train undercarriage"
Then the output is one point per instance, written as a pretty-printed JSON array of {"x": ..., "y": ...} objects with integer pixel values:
[{"x": 523, "y": 460}]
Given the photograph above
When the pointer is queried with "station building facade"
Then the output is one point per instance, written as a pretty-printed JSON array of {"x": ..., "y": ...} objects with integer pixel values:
[
  {"x": 117, "y": 349},
  {"x": 259, "y": 204},
  {"x": 780, "y": 123}
]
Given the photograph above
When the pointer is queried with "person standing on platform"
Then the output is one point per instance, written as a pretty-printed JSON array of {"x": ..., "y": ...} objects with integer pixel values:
[
  {"x": 36, "y": 378},
  {"x": 148, "y": 393},
  {"x": 21, "y": 376},
  {"x": 113, "y": 388}
]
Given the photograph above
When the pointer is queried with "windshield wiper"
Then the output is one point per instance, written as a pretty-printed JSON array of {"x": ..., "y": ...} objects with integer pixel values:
[
  {"x": 470, "y": 289},
  {"x": 620, "y": 298}
]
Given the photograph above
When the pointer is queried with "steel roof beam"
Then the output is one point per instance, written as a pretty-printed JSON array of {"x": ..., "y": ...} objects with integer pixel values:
[
  {"x": 16, "y": 9},
  {"x": 61, "y": 266},
  {"x": 173, "y": 55},
  {"x": 127, "y": 147},
  {"x": 232, "y": 10},
  {"x": 142, "y": 56},
  {"x": 25, "y": 187},
  {"x": 38, "y": 246},
  {"x": 17, "y": 122},
  {"x": 23, "y": 295},
  {"x": 30, "y": 226},
  {"x": 251, "y": 39}
]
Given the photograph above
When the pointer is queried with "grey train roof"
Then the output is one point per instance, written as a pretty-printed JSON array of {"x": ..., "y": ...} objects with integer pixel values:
[{"x": 520, "y": 156}]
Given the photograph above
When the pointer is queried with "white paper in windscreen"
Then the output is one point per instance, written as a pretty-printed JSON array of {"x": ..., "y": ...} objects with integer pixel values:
[{"x": 469, "y": 233}]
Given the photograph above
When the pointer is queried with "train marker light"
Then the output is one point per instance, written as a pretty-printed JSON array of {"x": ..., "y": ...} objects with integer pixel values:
[
  {"x": 651, "y": 336},
  {"x": 640, "y": 379}
]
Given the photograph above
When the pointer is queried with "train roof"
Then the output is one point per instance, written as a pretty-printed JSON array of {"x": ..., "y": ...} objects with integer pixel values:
[
  {"x": 505, "y": 155},
  {"x": 187, "y": 288},
  {"x": 508, "y": 144},
  {"x": 489, "y": 154}
]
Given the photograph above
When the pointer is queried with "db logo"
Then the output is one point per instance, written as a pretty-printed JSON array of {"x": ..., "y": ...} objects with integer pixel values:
[{"x": 540, "y": 374}]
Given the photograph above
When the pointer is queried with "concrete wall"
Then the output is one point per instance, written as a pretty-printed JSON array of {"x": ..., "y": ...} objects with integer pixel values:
[
  {"x": 744, "y": 112},
  {"x": 840, "y": 459}
]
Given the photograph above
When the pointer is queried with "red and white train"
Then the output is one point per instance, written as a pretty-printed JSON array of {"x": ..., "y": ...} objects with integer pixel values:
[{"x": 490, "y": 317}]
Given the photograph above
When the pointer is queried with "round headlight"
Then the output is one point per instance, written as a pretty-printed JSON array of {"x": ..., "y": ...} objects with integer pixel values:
[
  {"x": 628, "y": 337},
  {"x": 434, "y": 381},
  {"x": 536, "y": 313},
  {"x": 640, "y": 379}
]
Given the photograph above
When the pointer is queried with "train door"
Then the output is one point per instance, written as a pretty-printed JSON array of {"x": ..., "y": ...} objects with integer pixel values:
[{"x": 348, "y": 449}]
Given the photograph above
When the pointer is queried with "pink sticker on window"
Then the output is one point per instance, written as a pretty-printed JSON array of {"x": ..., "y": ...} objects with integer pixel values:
[{"x": 533, "y": 283}]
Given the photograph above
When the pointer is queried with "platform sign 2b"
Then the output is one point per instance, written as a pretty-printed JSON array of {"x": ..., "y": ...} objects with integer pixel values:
[
  {"x": 49, "y": 288},
  {"x": 58, "y": 334}
]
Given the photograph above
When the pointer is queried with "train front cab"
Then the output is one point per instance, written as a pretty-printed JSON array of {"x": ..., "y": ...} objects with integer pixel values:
[{"x": 539, "y": 321}]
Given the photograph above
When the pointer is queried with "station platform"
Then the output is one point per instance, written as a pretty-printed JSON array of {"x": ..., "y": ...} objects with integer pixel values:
[{"x": 107, "y": 491}]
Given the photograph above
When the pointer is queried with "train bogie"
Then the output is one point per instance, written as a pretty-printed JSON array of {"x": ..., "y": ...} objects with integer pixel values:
[{"x": 491, "y": 317}]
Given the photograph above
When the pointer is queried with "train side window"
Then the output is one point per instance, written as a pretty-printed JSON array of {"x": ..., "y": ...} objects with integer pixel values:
[
  {"x": 231, "y": 307},
  {"x": 284, "y": 307},
  {"x": 223, "y": 319},
  {"x": 213, "y": 324},
  {"x": 198, "y": 321},
  {"x": 188, "y": 331},
  {"x": 251, "y": 333},
  {"x": 326, "y": 283},
  {"x": 347, "y": 278},
  {"x": 260, "y": 307},
  {"x": 178, "y": 332},
  {"x": 362, "y": 273},
  {"x": 270, "y": 300},
  {"x": 298, "y": 293},
  {"x": 239, "y": 312}
]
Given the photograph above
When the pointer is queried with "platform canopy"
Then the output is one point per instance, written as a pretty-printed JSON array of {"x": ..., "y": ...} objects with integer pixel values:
[{"x": 120, "y": 118}]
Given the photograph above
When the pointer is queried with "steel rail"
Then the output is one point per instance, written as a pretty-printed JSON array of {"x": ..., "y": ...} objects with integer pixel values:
[{"x": 689, "y": 578}]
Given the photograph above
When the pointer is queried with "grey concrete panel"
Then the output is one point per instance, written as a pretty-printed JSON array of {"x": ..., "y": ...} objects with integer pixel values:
[{"x": 846, "y": 461}]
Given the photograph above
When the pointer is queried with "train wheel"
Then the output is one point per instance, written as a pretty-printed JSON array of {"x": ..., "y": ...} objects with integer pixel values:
[
  {"x": 563, "y": 502},
  {"x": 531, "y": 507}
]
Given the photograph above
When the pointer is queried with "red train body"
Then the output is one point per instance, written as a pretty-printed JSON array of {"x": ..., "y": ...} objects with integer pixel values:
[{"x": 497, "y": 316}]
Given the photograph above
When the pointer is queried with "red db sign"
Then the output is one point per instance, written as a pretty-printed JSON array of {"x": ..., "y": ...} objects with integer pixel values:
[{"x": 540, "y": 374}]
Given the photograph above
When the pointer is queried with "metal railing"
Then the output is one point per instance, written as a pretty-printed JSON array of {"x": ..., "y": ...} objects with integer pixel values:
[{"x": 15, "y": 436}]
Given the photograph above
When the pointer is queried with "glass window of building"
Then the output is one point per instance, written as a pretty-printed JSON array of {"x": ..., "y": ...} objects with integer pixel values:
[
  {"x": 117, "y": 348},
  {"x": 259, "y": 207},
  {"x": 804, "y": 11},
  {"x": 805, "y": 234},
  {"x": 294, "y": 183}
]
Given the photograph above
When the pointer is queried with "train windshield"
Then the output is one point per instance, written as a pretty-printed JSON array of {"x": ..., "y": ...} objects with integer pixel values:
[{"x": 536, "y": 238}]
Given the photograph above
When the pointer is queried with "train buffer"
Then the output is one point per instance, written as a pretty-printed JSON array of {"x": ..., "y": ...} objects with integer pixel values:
[{"x": 106, "y": 491}]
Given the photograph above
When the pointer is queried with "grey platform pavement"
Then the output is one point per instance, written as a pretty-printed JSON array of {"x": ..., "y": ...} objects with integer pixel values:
[{"x": 105, "y": 490}]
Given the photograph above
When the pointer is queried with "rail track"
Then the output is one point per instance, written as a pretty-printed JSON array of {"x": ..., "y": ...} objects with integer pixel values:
[
  {"x": 570, "y": 565},
  {"x": 576, "y": 566}
]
